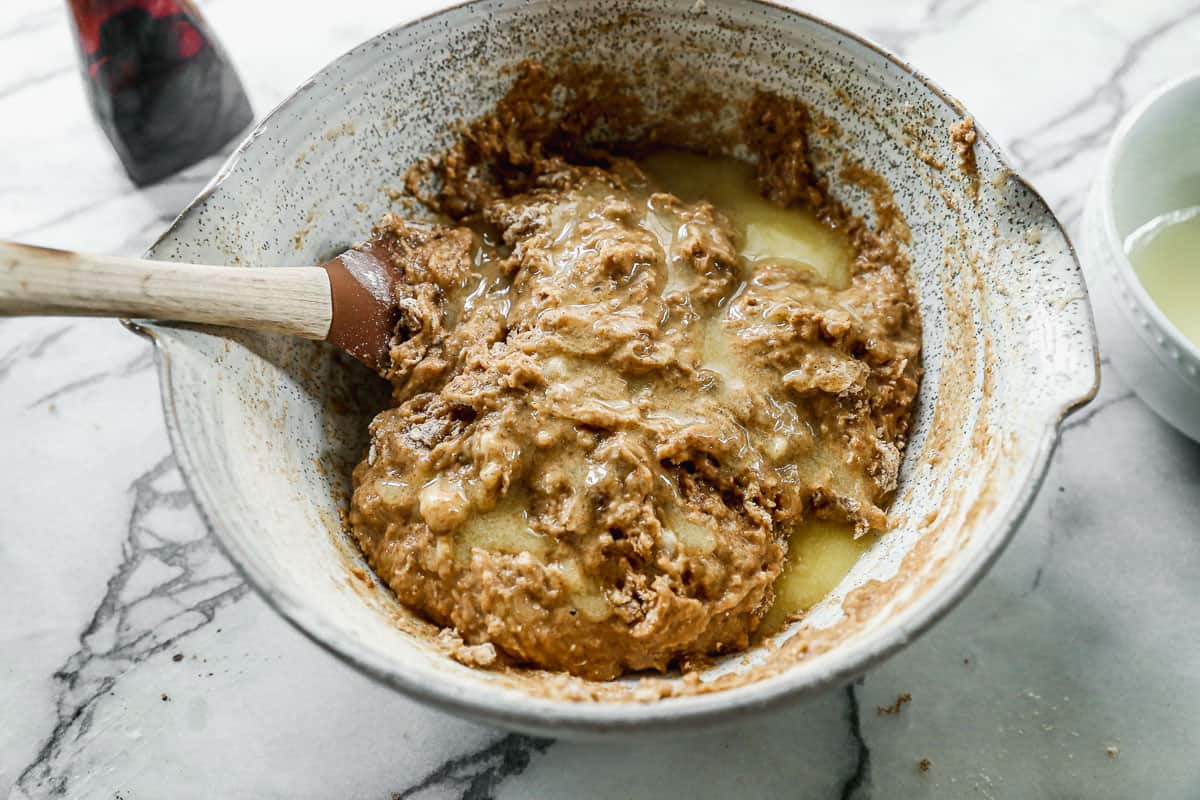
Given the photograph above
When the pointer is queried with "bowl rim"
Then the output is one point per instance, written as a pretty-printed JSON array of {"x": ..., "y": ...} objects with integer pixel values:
[
  {"x": 1113, "y": 153},
  {"x": 521, "y": 711}
]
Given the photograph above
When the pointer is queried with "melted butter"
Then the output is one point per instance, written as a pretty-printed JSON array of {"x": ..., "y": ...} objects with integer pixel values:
[
  {"x": 679, "y": 419},
  {"x": 665, "y": 227},
  {"x": 586, "y": 595},
  {"x": 819, "y": 555},
  {"x": 822, "y": 466},
  {"x": 1166, "y": 255},
  {"x": 718, "y": 356},
  {"x": 559, "y": 368},
  {"x": 668, "y": 228},
  {"x": 765, "y": 231},
  {"x": 393, "y": 491},
  {"x": 693, "y": 537},
  {"x": 503, "y": 529},
  {"x": 488, "y": 283}
]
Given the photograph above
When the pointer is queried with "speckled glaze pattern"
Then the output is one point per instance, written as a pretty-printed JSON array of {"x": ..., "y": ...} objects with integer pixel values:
[{"x": 266, "y": 428}]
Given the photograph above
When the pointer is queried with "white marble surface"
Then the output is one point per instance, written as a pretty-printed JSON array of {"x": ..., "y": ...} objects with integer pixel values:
[{"x": 1073, "y": 670}]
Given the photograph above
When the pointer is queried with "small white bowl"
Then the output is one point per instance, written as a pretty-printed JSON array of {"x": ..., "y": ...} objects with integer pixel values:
[{"x": 1151, "y": 167}]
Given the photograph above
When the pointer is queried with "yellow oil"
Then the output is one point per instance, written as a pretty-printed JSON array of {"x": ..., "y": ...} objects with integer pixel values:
[
  {"x": 503, "y": 529},
  {"x": 765, "y": 231},
  {"x": 819, "y": 556},
  {"x": 693, "y": 537},
  {"x": 718, "y": 356},
  {"x": 586, "y": 594},
  {"x": 1165, "y": 252}
]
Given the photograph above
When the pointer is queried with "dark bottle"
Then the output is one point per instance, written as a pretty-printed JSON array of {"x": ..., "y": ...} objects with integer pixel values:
[{"x": 159, "y": 83}]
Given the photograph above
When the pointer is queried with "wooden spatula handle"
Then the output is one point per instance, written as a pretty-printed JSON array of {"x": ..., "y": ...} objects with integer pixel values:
[{"x": 41, "y": 281}]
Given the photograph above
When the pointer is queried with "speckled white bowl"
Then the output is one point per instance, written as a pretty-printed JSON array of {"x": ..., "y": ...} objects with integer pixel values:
[
  {"x": 266, "y": 428},
  {"x": 1151, "y": 167}
]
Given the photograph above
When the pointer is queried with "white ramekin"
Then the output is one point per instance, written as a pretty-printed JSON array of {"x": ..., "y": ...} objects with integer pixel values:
[{"x": 1151, "y": 167}]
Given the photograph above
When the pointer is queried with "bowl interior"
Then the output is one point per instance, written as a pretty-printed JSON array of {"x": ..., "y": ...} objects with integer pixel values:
[{"x": 266, "y": 428}]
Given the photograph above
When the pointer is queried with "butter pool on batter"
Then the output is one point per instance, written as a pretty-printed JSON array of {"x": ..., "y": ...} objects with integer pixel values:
[
  {"x": 765, "y": 231},
  {"x": 820, "y": 554}
]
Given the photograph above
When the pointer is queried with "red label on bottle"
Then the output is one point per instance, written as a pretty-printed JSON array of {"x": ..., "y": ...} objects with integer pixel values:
[
  {"x": 129, "y": 41},
  {"x": 190, "y": 39},
  {"x": 90, "y": 15}
]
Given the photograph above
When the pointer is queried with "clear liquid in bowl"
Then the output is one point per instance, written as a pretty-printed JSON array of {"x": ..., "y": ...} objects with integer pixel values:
[{"x": 1165, "y": 253}]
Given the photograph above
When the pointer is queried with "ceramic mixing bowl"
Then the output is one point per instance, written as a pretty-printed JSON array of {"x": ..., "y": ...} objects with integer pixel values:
[{"x": 266, "y": 429}]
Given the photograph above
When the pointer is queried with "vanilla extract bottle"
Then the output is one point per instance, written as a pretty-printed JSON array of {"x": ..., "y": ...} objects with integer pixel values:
[{"x": 158, "y": 82}]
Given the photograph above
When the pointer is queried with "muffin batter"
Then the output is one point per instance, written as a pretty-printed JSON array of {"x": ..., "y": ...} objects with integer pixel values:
[{"x": 620, "y": 384}]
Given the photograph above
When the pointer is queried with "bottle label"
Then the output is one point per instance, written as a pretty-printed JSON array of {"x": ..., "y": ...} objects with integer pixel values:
[{"x": 124, "y": 39}]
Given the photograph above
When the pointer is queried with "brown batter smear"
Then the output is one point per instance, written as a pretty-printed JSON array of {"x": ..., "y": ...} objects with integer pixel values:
[
  {"x": 895, "y": 707},
  {"x": 607, "y": 417},
  {"x": 962, "y": 136}
]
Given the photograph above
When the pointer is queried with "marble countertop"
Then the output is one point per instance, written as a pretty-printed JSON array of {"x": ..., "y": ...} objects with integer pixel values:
[{"x": 136, "y": 663}]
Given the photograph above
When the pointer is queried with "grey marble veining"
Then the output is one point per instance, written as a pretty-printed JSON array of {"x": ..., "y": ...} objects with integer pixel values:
[{"x": 135, "y": 663}]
